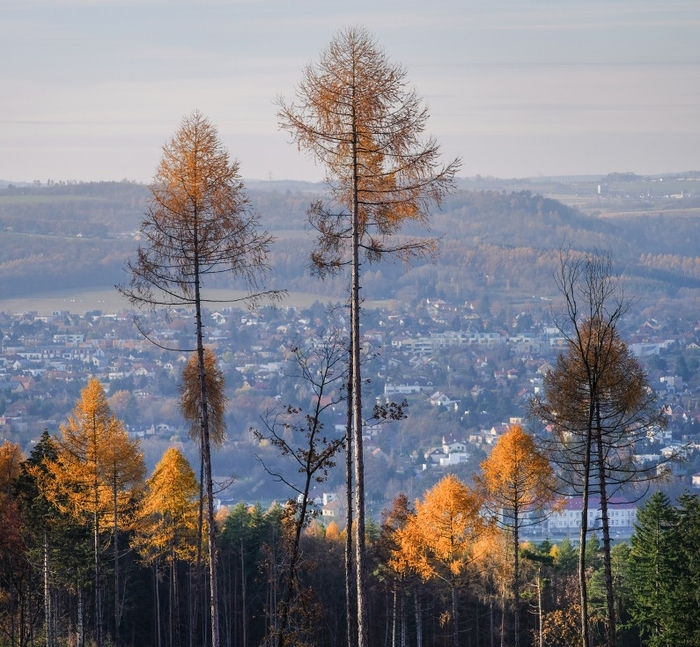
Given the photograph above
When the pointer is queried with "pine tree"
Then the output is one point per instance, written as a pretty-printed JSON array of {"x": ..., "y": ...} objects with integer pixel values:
[{"x": 655, "y": 569}]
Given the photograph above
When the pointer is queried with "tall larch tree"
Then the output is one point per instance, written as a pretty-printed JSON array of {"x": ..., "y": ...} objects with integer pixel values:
[
  {"x": 596, "y": 404},
  {"x": 518, "y": 486},
  {"x": 199, "y": 224},
  {"x": 355, "y": 115}
]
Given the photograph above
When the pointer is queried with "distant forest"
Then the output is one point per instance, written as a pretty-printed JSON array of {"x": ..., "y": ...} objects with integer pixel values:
[{"x": 496, "y": 241}]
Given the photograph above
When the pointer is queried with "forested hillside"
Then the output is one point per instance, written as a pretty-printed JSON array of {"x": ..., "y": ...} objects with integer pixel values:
[{"x": 501, "y": 241}]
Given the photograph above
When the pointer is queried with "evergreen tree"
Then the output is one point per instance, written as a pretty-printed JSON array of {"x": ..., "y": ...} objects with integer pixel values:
[{"x": 656, "y": 567}]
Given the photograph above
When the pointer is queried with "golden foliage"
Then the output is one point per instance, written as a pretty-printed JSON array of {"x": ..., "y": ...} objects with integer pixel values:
[
  {"x": 516, "y": 478},
  {"x": 10, "y": 464},
  {"x": 439, "y": 539},
  {"x": 96, "y": 462},
  {"x": 333, "y": 532},
  {"x": 356, "y": 116},
  {"x": 169, "y": 520},
  {"x": 191, "y": 397},
  {"x": 198, "y": 222}
]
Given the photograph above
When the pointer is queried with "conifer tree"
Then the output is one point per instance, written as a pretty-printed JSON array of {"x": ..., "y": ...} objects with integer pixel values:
[
  {"x": 518, "y": 485},
  {"x": 354, "y": 114},
  {"x": 96, "y": 465},
  {"x": 438, "y": 541},
  {"x": 597, "y": 405},
  {"x": 167, "y": 530},
  {"x": 655, "y": 570},
  {"x": 198, "y": 225}
]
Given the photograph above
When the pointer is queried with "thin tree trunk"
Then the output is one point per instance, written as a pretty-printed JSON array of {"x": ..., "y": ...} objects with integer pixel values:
[
  {"x": 159, "y": 639},
  {"x": 455, "y": 617},
  {"x": 360, "y": 575},
  {"x": 206, "y": 458},
  {"x": 81, "y": 619},
  {"x": 540, "y": 629},
  {"x": 605, "y": 520},
  {"x": 349, "y": 574},
  {"x": 244, "y": 612},
  {"x": 516, "y": 577},
  {"x": 393, "y": 617},
  {"x": 98, "y": 577},
  {"x": 48, "y": 615},
  {"x": 503, "y": 619},
  {"x": 418, "y": 613},
  {"x": 583, "y": 585},
  {"x": 171, "y": 605},
  {"x": 115, "y": 511},
  {"x": 402, "y": 617}
]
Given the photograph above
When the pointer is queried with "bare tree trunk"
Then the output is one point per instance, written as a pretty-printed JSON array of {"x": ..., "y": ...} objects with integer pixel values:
[
  {"x": 206, "y": 458},
  {"x": 98, "y": 576},
  {"x": 244, "y": 613},
  {"x": 503, "y": 619},
  {"x": 159, "y": 639},
  {"x": 418, "y": 613},
  {"x": 81, "y": 619},
  {"x": 349, "y": 446},
  {"x": 117, "y": 611},
  {"x": 171, "y": 605},
  {"x": 605, "y": 520},
  {"x": 48, "y": 612},
  {"x": 540, "y": 628},
  {"x": 583, "y": 586},
  {"x": 516, "y": 577},
  {"x": 402, "y": 617},
  {"x": 360, "y": 575},
  {"x": 393, "y": 617},
  {"x": 455, "y": 617}
]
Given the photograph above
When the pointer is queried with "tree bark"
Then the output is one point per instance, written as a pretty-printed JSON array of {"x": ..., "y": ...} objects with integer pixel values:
[{"x": 360, "y": 575}]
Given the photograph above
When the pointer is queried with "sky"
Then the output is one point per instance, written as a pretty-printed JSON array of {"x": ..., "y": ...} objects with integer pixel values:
[{"x": 90, "y": 90}]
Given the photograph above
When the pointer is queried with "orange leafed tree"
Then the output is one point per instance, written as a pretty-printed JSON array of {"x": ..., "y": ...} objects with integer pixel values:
[
  {"x": 354, "y": 114},
  {"x": 518, "y": 485},
  {"x": 168, "y": 524},
  {"x": 438, "y": 541},
  {"x": 199, "y": 224},
  {"x": 95, "y": 470},
  {"x": 168, "y": 520},
  {"x": 10, "y": 464}
]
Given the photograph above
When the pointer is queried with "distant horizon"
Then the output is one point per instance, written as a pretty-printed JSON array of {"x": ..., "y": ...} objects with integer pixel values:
[{"x": 465, "y": 178}]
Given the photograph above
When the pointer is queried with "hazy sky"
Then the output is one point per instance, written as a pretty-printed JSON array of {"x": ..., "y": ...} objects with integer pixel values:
[{"x": 91, "y": 89}]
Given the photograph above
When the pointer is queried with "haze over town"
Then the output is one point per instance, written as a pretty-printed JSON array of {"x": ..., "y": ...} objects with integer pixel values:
[{"x": 93, "y": 88}]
